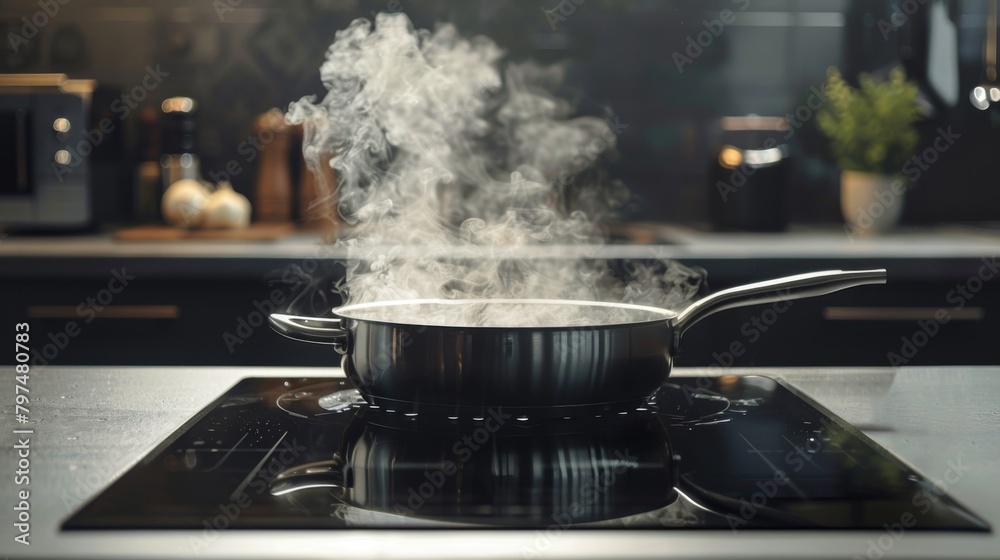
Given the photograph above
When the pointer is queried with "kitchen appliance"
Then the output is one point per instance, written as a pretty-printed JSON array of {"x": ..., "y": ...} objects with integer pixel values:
[
  {"x": 415, "y": 354},
  {"x": 728, "y": 453},
  {"x": 44, "y": 147},
  {"x": 747, "y": 174}
]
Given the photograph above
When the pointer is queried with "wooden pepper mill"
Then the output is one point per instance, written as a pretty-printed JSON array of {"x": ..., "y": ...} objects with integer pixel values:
[
  {"x": 317, "y": 192},
  {"x": 318, "y": 204},
  {"x": 273, "y": 195}
]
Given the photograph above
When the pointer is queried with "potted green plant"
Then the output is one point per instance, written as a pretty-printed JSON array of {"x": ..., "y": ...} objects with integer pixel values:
[{"x": 872, "y": 135}]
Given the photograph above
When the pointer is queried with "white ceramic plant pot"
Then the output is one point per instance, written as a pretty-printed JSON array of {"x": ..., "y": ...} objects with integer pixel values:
[{"x": 871, "y": 202}]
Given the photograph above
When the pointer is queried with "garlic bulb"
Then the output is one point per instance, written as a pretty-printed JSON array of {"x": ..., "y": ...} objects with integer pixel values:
[
  {"x": 226, "y": 209},
  {"x": 183, "y": 202}
]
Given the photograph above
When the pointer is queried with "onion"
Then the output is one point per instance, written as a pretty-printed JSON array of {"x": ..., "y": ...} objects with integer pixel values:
[
  {"x": 183, "y": 202},
  {"x": 226, "y": 209}
]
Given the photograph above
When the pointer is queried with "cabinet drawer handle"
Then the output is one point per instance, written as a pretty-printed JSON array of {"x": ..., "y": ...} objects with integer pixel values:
[
  {"x": 901, "y": 313},
  {"x": 108, "y": 312}
]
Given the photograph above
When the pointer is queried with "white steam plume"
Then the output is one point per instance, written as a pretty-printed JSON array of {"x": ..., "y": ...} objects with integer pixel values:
[{"x": 449, "y": 169}]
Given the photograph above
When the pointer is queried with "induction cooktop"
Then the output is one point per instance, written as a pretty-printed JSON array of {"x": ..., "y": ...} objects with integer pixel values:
[{"x": 719, "y": 453}]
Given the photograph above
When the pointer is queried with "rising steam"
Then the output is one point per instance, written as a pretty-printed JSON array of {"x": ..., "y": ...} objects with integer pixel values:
[{"x": 450, "y": 172}]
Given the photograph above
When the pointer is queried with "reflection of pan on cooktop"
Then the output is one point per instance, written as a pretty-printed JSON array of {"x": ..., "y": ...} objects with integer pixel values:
[
  {"x": 491, "y": 474},
  {"x": 675, "y": 403}
]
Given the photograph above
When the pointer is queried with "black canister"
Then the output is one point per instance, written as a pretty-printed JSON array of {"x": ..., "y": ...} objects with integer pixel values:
[
  {"x": 179, "y": 140},
  {"x": 747, "y": 175}
]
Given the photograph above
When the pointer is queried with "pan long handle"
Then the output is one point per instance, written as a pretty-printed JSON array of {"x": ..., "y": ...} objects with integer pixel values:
[
  {"x": 779, "y": 289},
  {"x": 319, "y": 330}
]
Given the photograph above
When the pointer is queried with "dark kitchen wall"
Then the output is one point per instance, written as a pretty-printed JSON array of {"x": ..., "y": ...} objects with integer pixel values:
[{"x": 667, "y": 70}]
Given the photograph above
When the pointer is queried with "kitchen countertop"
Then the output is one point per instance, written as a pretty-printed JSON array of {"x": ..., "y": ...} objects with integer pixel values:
[
  {"x": 92, "y": 424},
  {"x": 956, "y": 250},
  {"x": 669, "y": 240}
]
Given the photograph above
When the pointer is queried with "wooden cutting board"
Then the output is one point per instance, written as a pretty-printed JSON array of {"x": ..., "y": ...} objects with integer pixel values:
[{"x": 255, "y": 232}]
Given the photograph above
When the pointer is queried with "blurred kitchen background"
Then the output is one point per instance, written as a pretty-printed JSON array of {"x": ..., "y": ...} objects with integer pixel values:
[
  {"x": 681, "y": 97},
  {"x": 238, "y": 61}
]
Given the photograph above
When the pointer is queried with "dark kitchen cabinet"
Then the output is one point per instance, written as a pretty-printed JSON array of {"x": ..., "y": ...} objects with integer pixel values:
[
  {"x": 934, "y": 312},
  {"x": 158, "y": 319},
  {"x": 181, "y": 310}
]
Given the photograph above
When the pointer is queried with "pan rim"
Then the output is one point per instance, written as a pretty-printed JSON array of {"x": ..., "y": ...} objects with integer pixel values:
[{"x": 663, "y": 314}]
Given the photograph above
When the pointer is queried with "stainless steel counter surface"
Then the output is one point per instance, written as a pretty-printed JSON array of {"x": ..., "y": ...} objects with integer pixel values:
[
  {"x": 677, "y": 242},
  {"x": 91, "y": 424}
]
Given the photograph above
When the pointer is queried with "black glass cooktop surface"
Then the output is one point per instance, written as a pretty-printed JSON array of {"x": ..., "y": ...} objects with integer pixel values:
[{"x": 733, "y": 452}]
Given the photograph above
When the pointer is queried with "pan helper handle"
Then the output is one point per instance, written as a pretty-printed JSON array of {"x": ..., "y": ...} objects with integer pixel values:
[
  {"x": 780, "y": 289},
  {"x": 319, "y": 330}
]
